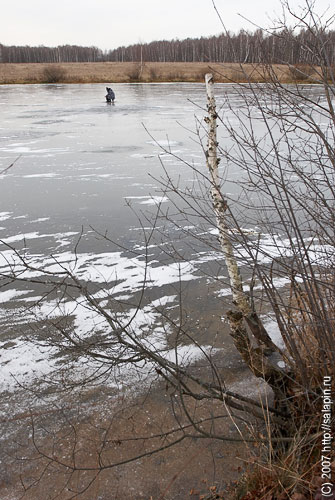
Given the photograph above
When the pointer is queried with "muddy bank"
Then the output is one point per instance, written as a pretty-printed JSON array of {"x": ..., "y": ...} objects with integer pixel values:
[{"x": 102, "y": 424}]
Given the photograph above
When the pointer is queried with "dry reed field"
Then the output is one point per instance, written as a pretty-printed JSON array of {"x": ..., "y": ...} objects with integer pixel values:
[{"x": 14, "y": 73}]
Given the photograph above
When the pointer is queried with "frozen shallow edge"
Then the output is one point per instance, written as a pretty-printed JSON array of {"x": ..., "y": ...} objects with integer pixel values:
[{"x": 24, "y": 363}]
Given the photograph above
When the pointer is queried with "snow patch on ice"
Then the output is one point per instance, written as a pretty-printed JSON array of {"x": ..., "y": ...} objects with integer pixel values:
[
  {"x": 273, "y": 330},
  {"x": 149, "y": 200},
  {"x": 11, "y": 294},
  {"x": 47, "y": 175},
  {"x": 22, "y": 363},
  {"x": 59, "y": 237},
  {"x": 40, "y": 219},
  {"x": 5, "y": 215}
]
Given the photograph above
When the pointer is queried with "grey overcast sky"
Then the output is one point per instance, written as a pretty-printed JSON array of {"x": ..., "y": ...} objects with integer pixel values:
[{"x": 108, "y": 24}]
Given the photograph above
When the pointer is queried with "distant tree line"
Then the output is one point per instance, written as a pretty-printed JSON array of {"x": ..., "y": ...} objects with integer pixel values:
[
  {"x": 244, "y": 47},
  {"x": 41, "y": 54}
]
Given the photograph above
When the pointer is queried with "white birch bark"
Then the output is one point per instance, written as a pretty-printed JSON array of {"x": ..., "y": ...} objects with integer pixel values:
[
  {"x": 220, "y": 205},
  {"x": 240, "y": 298}
]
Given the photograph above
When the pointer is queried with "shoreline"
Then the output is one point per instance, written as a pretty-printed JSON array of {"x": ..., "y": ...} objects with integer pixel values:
[{"x": 106, "y": 72}]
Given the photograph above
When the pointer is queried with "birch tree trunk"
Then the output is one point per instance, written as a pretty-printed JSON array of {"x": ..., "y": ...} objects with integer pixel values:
[{"x": 245, "y": 318}]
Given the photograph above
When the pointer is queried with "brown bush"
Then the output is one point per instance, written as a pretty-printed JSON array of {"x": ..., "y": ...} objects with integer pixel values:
[
  {"x": 135, "y": 73},
  {"x": 53, "y": 74},
  {"x": 153, "y": 74}
]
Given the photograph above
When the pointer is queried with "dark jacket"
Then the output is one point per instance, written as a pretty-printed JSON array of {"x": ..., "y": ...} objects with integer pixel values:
[{"x": 110, "y": 94}]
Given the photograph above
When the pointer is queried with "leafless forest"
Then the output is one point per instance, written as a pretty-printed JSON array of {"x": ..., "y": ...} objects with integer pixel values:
[{"x": 286, "y": 45}]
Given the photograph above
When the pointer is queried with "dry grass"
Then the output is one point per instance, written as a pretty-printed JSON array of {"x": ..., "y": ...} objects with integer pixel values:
[
  {"x": 308, "y": 311},
  {"x": 294, "y": 473},
  {"x": 131, "y": 72},
  {"x": 276, "y": 482}
]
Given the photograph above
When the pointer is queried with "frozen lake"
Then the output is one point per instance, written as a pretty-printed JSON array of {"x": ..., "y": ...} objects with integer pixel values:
[
  {"x": 79, "y": 158},
  {"x": 79, "y": 162}
]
